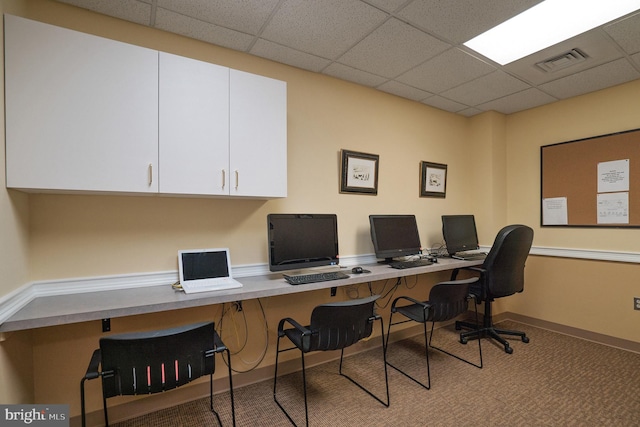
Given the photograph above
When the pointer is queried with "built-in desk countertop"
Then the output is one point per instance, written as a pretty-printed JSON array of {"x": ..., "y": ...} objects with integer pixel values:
[{"x": 82, "y": 307}]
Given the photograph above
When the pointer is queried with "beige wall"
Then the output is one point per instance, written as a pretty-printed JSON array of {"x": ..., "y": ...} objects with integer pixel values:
[
  {"x": 493, "y": 172},
  {"x": 599, "y": 113},
  {"x": 593, "y": 295}
]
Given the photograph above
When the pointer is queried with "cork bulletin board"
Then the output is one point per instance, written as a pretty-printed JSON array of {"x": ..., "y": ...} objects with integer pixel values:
[{"x": 592, "y": 182}]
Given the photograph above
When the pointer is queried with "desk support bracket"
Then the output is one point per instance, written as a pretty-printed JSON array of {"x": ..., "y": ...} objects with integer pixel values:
[{"x": 106, "y": 324}]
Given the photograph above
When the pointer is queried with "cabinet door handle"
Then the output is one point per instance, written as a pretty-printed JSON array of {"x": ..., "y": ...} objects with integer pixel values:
[
  {"x": 237, "y": 179},
  {"x": 150, "y": 174},
  {"x": 224, "y": 179}
]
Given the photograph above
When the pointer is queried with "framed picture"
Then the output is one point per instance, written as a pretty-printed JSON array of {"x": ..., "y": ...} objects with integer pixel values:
[
  {"x": 433, "y": 179},
  {"x": 359, "y": 172}
]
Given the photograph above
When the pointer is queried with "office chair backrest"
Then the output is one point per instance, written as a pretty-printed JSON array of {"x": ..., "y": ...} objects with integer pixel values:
[
  {"x": 338, "y": 325},
  {"x": 152, "y": 362},
  {"x": 449, "y": 299},
  {"x": 505, "y": 262}
]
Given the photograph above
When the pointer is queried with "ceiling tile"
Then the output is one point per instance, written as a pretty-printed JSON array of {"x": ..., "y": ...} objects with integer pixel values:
[
  {"x": 460, "y": 20},
  {"x": 325, "y": 28},
  {"x": 388, "y": 5},
  {"x": 611, "y": 74},
  {"x": 392, "y": 49},
  {"x": 194, "y": 28},
  {"x": 469, "y": 112},
  {"x": 286, "y": 55},
  {"x": 409, "y": 48},
  {"x": 519, "y": 101},
  {"x": 403, "y": 90},
  {"x": 445, "y": 104},
  {"x": 247, "y": 16},
  {"x": 626, "y": 33},
  {"x": 353, "y": 75},
  {"x": 486, "y": 88},
  {"x": 130, "y": 10},
  {"x": 445, "y": 71}
]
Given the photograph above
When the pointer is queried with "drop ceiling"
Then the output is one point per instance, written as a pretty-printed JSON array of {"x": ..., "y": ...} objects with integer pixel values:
[{"x": 409, "y": 48}]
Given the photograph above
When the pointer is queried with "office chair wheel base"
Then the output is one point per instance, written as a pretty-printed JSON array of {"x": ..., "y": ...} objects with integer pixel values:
[
  {"x": 508, "y": 350},
  {"x": 525, "y": 339},
  {"x": 463, "y": 340}
]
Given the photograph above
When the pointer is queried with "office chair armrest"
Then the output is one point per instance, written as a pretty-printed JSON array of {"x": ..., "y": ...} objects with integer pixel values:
[
  {"x": 298, "y": 326},
  {"x": 468, "y": 281},
  {"x": 454, "y": 273},
  {"x": 481, "y": 295},
  {"x": 424, "y": 305},
  {"x": 92, "y": 369}
]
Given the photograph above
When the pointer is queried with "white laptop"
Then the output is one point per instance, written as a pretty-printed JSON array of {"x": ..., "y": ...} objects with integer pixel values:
[{"x": 203, "y": 270}]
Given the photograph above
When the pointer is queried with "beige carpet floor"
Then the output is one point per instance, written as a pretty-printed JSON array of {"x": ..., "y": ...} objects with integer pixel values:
[{"x": 555, "y": 380}]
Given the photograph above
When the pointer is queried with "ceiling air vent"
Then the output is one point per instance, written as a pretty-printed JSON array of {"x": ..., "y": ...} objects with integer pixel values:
[{"x": 560, "y": 62}]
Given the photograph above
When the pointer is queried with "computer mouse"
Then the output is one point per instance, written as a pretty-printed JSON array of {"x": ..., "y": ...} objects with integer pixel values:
[{"x": 357, "y": 270}]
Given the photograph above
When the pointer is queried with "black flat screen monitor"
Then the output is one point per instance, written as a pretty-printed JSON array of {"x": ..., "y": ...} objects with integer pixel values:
[
  {"x": 459, "y": 232},
  {"x": 298, "y": 241},
  {"x": 394, "y": 236}
]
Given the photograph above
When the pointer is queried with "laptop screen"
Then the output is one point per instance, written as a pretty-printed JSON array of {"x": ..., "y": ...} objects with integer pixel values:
[{"x": 204, "y": 264}]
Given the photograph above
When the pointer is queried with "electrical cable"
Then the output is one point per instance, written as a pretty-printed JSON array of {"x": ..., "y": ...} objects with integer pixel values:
[
  {"x": 235, "y": 327},
  {"x": 352, "y": 291},
  {"x": 439, "y": 250},
  {"x": 406, "y": 282},
  {"x": 389, "y": 293},
  {"x": 253, "y": 363}
]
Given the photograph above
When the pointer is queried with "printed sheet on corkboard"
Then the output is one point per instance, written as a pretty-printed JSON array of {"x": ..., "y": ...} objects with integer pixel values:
[{"x": 592, "y": 182}]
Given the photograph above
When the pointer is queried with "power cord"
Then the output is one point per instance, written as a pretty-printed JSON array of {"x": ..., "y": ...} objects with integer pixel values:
[
  {"x": 234, "y": 309},
  {"x": 388, "y": 293},
  {"x": 439, "y": 250}
]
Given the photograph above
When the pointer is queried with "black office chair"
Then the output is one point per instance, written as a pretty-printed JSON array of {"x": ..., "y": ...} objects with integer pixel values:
[
  {"x": 447, "y": 300},
  {"x": 155, "y": 361},
  {"x": 501, "y": 275},
  {"x": 334, "y": 326}
]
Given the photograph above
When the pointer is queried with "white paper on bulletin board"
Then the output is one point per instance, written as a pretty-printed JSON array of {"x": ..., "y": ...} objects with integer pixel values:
[
  {"x": 554, "y": 211},
  {"x": 613, "y": 208},
  {"x": 613, "y": 176}
]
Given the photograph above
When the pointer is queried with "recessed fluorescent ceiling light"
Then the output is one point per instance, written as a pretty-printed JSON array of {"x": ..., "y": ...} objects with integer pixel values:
[{"x": 546, "y": 24}]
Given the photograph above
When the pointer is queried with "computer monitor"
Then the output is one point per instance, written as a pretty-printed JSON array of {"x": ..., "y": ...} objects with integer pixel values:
[
  {"x": 459, "y": 232},
  {"x": 298, "y": 241},
  {"x": 394, "y": 236}
]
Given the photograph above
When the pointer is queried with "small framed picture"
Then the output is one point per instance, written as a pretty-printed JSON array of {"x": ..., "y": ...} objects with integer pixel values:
[
  {"x": 359, "y": 172},
  {"x": 433, "y": 179}
]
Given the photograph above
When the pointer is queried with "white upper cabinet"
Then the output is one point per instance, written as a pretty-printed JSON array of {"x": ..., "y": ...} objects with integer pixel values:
[
  {"x": 258, "y": 117},
  {"x": 81, "y": 111},
  {"x": 85, "y": 113},
  {"x": 194, "y": 127}
]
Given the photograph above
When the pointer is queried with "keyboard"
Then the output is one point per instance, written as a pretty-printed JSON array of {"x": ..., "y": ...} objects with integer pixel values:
[
  {"x": 302, "y": 279},
  {"x": 469, "y": 256},
  {"x": 410, "y": 264}
]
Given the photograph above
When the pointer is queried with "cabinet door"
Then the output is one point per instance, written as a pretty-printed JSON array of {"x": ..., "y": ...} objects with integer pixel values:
[
  {"x": 81, "y": 111},
  {"x": 194, "y": 127},
  {"x": 258, "y": 136}
]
